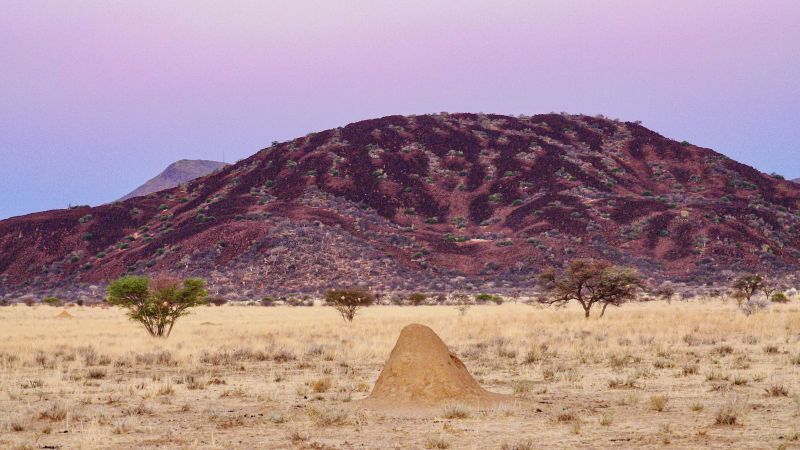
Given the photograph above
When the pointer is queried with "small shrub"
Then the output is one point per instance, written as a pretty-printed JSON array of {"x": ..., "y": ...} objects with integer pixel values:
[
  {"x": 455, "y": 411},
  {"x": 779, "y": 297},
  {"x": 659, "y": 402},
  {"x": 328, "y": 417},
  {"x": 731, "y": 412},
  {"x": 55, "y": 413},
  {"x": 417, "y": 298},
  {"x": 771, "y": 349},
  {"x": 321, "y": 385},
  {"x": 217, "y": 301},
  {"x": 777, "y": 390},
  {"x": 52, "y": 301},
  {"x": 437, "y": 443},
  {"x": 521, "y": 445},
  {"x": 484, "y": 298},
  {"x": 690, "y": 369}
]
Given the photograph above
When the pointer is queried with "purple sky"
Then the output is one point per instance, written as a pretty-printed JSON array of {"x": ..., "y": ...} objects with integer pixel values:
[{"x": 96, "y": 97}]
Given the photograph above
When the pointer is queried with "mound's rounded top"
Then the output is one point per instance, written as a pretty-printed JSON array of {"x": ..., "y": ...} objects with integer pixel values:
[{"x": 421, "y": 371}]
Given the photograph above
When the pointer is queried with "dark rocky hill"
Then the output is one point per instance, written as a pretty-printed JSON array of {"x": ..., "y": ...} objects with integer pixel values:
[{"x": 430, "y": 202}]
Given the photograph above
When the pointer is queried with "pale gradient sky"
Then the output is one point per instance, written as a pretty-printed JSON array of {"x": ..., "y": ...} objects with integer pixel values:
[{"x": 96, "y": 97}]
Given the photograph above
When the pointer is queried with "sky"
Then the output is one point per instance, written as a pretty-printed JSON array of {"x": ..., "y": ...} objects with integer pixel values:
[{"x": 96, "y": 97}]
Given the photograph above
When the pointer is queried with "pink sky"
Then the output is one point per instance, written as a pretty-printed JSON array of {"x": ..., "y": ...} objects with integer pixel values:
[{"x": 96, "y": 97}]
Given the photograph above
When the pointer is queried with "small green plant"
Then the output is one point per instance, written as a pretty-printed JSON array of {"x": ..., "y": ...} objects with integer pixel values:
[
  {"x": 417, "y": 298},
  {"x": 52, "y": 301},
  {"x": 484, "y": 298},
  {"x": 779, "y": 297}
]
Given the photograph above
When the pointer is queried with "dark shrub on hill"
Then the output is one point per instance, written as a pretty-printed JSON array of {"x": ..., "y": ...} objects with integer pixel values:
[
  {"x": 52, "y": 301},
  {"x": 417, "y": 298},
  {"x": 217, "y": 301}
]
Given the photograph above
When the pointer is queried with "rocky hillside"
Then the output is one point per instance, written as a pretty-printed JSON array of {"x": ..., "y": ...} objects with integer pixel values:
[
  {"x": 175, "y": 174},
  {"x": 430, "y": 202}
]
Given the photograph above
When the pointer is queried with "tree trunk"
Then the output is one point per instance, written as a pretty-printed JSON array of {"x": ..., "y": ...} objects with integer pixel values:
[
  {"x": 603, "y": 311},
  {"x": 586, "y": 310}
]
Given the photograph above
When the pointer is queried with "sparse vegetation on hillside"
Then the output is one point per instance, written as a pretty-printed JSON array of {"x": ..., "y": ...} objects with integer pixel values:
[{"x": 430, "y": 203}]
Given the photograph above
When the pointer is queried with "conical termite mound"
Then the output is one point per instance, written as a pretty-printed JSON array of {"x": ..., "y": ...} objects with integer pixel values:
[
  {"x": 64, "y": 315},
  {"x": 422, "y": 372}
]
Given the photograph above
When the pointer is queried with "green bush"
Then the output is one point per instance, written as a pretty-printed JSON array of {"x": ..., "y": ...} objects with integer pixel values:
[
  {"x": 52, "y": 301},
  {"x": 779, "y": 297},
  {"x": 483, "y": 298},
  {"x": 417, "y": 298}
]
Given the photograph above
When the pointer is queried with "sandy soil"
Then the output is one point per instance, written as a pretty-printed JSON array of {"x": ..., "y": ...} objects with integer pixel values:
[{"x": 645, "y": 376}]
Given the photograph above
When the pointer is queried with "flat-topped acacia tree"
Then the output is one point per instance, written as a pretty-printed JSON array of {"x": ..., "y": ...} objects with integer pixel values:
[
  {"x": 157, "y": 303},
  {"x": 349, "y": 301},
  {"x": 590, "y": 282}
]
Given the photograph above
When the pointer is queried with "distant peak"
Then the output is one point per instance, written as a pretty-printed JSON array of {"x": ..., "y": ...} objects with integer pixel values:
[{"x": 176, "y": 173}]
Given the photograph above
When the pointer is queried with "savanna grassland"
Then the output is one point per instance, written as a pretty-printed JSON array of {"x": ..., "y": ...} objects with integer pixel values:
[{"x": 654, "y": 375}]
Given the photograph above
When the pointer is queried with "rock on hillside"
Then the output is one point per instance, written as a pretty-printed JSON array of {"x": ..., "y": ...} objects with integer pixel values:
[
  {"x": 430, "y": 202},
  {"x": 175, "y": 174}
]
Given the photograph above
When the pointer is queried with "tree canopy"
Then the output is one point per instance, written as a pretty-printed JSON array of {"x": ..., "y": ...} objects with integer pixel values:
[
  {"x": 157, "y": 303},
  {"x": 590, "y": 282},
  {"x": 348, "y": 301}
]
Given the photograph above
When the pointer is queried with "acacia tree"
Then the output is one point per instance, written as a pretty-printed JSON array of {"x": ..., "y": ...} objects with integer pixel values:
[
  {"x": 590, "y": 282},
  {"x": 746, "y": 286},
  {"x": 348, "y": 301},
  {"x": 157, "y": 303}
]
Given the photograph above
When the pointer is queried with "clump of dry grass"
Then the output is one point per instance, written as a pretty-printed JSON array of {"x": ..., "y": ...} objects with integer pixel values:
[
  {"x": 56, "y": 412},
  {"x": 321, "y": 385},
  {"x": 731, "y": 412},
  {"x": 777, "y": 390},
  {"x": 526, "y": 444},
  {"x": 659, "y": 402},
  {"x": 456, "y": 411},
  {"x": 32, "y": 384},
  {"x": 438, "y": 442},
  {"x": 326, "y": 417}
]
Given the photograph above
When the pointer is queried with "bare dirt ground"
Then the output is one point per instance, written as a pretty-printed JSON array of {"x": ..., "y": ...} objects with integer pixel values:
[{"x": 654, "y": 375}]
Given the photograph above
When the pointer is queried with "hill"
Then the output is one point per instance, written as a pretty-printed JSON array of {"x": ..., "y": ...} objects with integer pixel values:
[
  {"x": 429, "y": 202},
  {"x": 175, "y": 174}
]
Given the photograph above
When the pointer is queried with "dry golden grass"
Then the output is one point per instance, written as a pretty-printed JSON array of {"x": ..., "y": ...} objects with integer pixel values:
[{"x": 688, "y": 375}]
